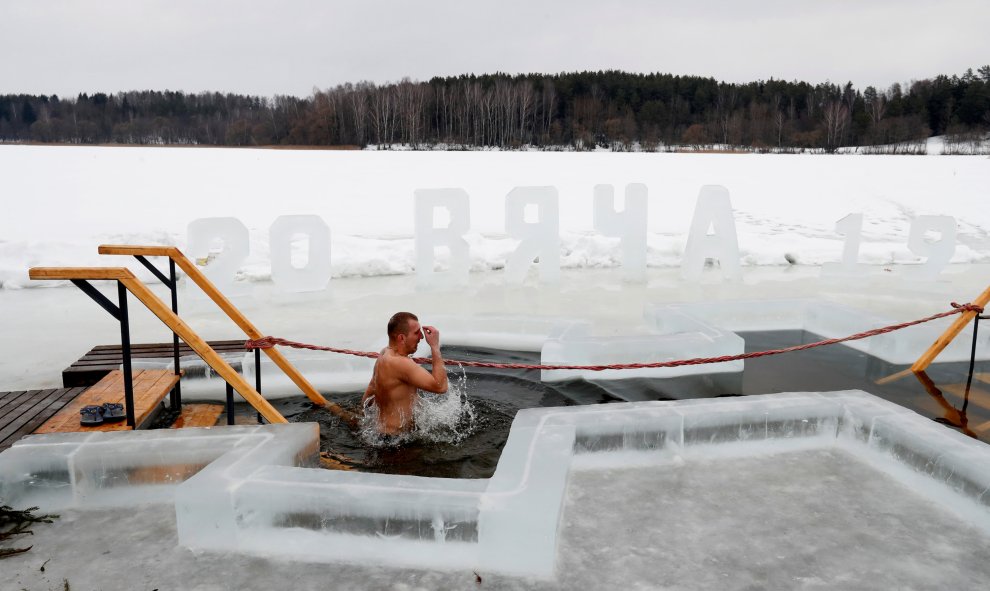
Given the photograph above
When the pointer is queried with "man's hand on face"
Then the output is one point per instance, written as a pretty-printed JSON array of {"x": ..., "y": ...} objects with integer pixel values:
[{"x": 432, "y": 336}]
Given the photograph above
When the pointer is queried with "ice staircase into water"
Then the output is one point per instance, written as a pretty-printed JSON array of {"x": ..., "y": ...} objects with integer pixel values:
[{"x": 255, "y": 489}]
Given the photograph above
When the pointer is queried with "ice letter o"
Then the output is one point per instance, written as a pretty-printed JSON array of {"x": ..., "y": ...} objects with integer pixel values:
[
  {"x": 538, "y": 239},
  {"x": 315, "y": 275},
  {"x": 712, "y": 210},
  {"x": 428, "y": 237},
  {"x": 201, "y": 235},
  {"x": 939, "y": 252},
  {"x": 629, "y": 226}
]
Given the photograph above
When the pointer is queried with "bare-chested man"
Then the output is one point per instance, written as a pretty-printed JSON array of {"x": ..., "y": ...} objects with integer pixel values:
[{"x": 397, "y": 377}]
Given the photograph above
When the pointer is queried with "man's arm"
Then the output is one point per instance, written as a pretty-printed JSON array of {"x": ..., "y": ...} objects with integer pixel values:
[
  {"x": 419, "y": 377},
  {"x": 370, "y": 391}
]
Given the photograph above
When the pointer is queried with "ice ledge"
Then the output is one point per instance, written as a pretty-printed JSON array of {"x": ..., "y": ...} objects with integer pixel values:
[{"x": 255, "y": 489}]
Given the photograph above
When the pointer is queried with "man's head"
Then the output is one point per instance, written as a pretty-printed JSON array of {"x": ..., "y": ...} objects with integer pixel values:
[{"x": 404, "y": 332}]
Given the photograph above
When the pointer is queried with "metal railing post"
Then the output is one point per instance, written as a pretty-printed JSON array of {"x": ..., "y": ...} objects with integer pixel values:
[
  {"x": 125, "y": 349},
  {"x": 176, "y": 398},
  {"x": 230, "y": 404},
  {"x": 257, "y": 377},
  {"x": 972, "y": 359}
]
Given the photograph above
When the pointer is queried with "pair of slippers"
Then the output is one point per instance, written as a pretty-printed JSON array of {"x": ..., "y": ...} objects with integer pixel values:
[{"x": 108, "y": 412}]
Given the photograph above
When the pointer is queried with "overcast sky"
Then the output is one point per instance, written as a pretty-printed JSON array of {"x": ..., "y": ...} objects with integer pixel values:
[{"x": 266, "y": 47}]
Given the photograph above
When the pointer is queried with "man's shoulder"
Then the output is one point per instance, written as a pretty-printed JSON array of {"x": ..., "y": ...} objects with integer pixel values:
[{"x": 396, "y": 361}]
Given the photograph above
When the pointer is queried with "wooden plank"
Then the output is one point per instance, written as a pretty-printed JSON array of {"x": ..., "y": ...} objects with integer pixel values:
[
  {"x": 198, "y": 415},
  {"x": 215, "y": 344},
  {"x": 66, "y": 395},
  {"x": 21, "y": 415},
  {"x": 893, "y": 377},
  {"x": 95, "y": 273},
  {"x": 110, "y": 389},
  {"x": 14, "y": 399},
  {"x": 150, "y": 387},
  {"x": 11, "y": 412},
  {"x": 84, "y": 379},
  {"x": 6, "y": 395},
  {"x": 954, "y": 329},
  {"x": 137, "y": 250},
  {"x": 164, "y": 355},
  {"x": 102, "y": 359}
]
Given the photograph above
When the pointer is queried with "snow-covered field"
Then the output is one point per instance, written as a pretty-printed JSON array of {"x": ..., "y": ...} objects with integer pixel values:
[{"x": 60, "y": 203}]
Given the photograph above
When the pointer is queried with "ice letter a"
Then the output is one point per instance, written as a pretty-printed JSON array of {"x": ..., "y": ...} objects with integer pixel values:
[
  {"x": 315, "y": 275},
  {"x": 713, "y": 210},
  {"x": 429, "y": 237},
  {"x": 539, "y": 238},
  {"x": 221, "y": 264},
  {"x": 629, "y": 226}
]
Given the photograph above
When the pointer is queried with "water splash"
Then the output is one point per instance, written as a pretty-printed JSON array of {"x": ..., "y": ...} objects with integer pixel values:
[{"x": 437, "y": 418}]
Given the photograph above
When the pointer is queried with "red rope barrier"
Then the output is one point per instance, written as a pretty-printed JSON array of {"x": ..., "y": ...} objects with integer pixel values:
[{"x": 268, "y": 342}]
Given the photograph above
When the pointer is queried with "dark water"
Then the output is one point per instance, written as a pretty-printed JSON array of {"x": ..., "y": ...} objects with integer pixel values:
[{"x": 491, "y": 399}]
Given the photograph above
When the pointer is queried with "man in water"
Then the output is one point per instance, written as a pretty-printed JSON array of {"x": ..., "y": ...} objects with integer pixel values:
[{"x": 396, "y": 377}]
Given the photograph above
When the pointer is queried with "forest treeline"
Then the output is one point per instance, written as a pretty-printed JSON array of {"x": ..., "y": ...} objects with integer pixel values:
[{"x": 580, "y": 110}]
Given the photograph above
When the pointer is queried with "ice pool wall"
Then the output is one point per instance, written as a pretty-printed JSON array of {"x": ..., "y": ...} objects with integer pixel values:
[{"x": 253, "y": 489}]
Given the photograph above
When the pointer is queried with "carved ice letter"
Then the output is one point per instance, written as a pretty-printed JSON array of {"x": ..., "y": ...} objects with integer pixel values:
[
  {"x": 940, "y": 251},
  {"x": 539, "y": 239},
  {"x": 315, "y": 274},
  {"x": 629, "y": 226},
  {"x": 429, "y": 236},
  {"x": 713, "y": 210},
  {"x": 851, "y": 227},
  {"x": 220, "y": 267}
]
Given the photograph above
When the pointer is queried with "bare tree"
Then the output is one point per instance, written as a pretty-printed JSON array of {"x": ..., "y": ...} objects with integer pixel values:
[
  {"x": 836, "y": 117},
  {"x": 725, "y": 103},
  {"x": 383, "y": 111}
]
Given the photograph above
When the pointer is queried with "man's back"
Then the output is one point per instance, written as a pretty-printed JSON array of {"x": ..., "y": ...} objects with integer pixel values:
[{"x": 394, "y": 397}]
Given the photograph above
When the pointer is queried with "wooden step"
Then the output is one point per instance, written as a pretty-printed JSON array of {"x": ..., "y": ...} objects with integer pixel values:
[
  {"x": 150, "y": 387},
  {"x": 102, "y": 359},
  {"x": 198, "y": 415}
]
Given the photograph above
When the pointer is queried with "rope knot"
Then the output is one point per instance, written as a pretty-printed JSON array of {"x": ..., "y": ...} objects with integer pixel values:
[
  {"x": 968, "y": 307},
  {"x": 262, "y": 343}
]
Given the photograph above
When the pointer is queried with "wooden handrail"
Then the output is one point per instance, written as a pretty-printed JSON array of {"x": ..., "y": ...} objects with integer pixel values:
[
  {"x": 70, "y": 273},
  {"x": 178, "y": 326},
  {"x": 232, "y": 312},
  {"x": 954, "y": 329}
]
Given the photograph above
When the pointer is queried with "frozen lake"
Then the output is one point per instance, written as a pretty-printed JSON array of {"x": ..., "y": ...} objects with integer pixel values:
[
  {"x": 802, "y": 519},
  {"x": 65, "y": 201}
]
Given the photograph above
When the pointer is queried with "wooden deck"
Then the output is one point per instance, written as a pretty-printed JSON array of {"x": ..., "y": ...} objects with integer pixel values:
[
  {"x": 198, "y": 415},
  {"x": 23, "y": 412},
  {"x": 150, "y": 387},
  {"x": 99, "y": 361}
]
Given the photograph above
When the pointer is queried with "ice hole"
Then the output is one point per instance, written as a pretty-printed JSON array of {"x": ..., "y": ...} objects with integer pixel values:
[{"x": 256, "y": 489}]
